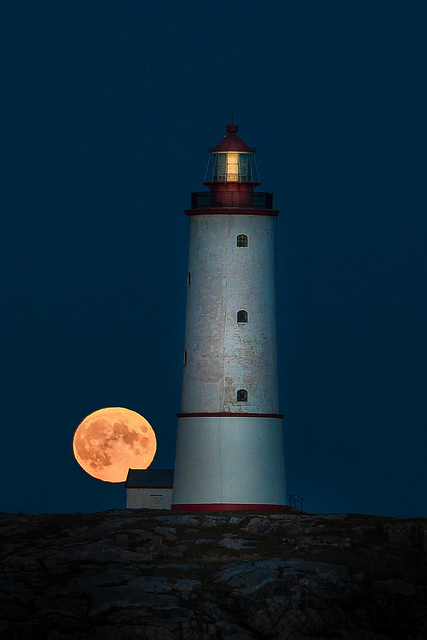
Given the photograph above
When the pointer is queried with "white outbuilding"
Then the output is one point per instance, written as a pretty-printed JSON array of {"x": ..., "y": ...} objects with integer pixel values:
[{"x": 149, "y": 488}]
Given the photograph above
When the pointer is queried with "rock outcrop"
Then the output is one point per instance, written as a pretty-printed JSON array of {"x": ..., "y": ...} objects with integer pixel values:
[{"x": 142, "y": 574}]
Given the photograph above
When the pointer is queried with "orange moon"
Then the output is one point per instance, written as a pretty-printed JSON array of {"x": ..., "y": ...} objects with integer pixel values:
[{"x": 110, "y": 441}]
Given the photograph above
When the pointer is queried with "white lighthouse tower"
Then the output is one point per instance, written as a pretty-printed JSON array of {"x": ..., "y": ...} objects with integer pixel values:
[{"x": 229, "y": 451}]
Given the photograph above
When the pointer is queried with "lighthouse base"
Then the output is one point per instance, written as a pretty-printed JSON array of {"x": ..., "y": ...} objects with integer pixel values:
[{"x": 231, "y": 462}]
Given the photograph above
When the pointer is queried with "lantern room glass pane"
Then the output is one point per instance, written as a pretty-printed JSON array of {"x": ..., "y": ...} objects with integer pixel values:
[
  {"x": 219, "y": 167},
  {"x": 232, "y": 167},
  {"x": 245, "y": 167}
]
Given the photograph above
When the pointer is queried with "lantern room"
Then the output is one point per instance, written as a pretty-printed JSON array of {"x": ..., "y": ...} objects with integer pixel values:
[
  {"x": 232, "y": 172},
  {"x": 232, "y": 160}
]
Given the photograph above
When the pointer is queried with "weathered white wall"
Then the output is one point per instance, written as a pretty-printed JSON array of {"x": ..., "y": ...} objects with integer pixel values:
[
  {"x": 223, "y": 356},
  {"x": 146, "y": 498},
  {"x": 229, "y": 459}
]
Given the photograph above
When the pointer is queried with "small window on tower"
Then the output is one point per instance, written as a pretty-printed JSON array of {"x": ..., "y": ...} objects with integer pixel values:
[
  {"x": 242, "y": 240},
  {"x": 185, "y": 356},
  {"x": 242, "y": 395},
  {"x": 242, "y": 316},
  {"x": 189, "y": 279}
]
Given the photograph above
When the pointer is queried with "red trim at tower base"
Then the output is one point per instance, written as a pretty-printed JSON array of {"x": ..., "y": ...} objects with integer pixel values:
[{"x": 224, "y": 506}]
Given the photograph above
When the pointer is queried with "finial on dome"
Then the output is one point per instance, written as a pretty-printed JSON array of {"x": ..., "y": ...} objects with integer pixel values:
[{"x": 232, "y": 128}]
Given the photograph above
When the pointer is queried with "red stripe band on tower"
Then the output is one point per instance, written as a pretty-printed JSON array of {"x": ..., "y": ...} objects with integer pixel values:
[
  {"x": 229, "y": 415},
  {"x": 224, "y": 506},
  {"x": 237, "y": 211}
]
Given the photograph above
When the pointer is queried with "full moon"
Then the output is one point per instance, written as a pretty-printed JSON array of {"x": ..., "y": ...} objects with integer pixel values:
[{"x": 110, "y": 441}]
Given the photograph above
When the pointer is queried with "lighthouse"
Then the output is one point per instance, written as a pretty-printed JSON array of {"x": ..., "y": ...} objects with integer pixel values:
[{"x": 229, "y": 452}]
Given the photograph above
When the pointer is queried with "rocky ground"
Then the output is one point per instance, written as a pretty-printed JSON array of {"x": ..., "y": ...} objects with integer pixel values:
[{"x": 141, "y": 574}]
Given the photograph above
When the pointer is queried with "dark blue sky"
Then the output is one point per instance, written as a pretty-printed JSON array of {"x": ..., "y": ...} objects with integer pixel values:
[{"x": 108, "y": 109}]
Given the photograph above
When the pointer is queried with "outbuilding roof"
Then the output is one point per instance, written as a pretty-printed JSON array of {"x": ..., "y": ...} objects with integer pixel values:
[
  {"x": 141, "y": 478},
  {"x": 232, "y": 142}
]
